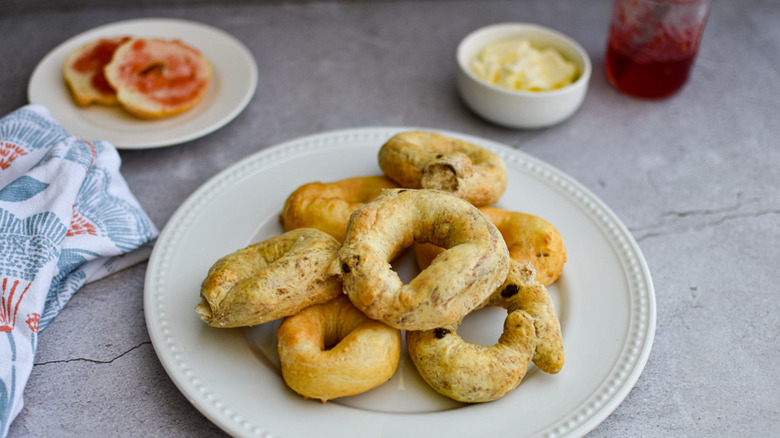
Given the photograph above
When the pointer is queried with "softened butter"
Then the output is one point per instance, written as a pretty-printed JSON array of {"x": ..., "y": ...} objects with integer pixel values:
[{"x": 516, "y": 65}]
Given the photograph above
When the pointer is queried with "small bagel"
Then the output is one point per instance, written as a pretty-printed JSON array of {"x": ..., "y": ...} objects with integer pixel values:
[
  {"x": 270, "y": 279},
  {"x": 333, "y": 350},
  {"x": 156, "y": 78},
  {"x": 427, "y": 160},
  {"x": 83, "y": 71},
  {"x": 521, "y": 290},
  {"x": 472, "y": 373},
  {"x": 327, "y": 206},
  {"x": 530, "y": 239},
  {"x": 475, "y": 262}
]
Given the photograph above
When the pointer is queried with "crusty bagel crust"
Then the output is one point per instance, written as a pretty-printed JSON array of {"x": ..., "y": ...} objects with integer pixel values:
[
  {"x": 474, "y": 373},
  {"x": 475, "y": 263},
  {"x": 530, "y": 239},
  {"x": 428, "y": 160},
  {"x": 270, "y": 279},
  {"x": 333, "y": 350},
  {"x": 328, "y": 205}
]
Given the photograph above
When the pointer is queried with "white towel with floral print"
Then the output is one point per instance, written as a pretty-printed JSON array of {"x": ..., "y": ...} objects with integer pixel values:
[{"x": 66, "y": 217}]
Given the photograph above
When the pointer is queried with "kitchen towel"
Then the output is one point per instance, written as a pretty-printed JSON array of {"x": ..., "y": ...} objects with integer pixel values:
[{"x": 67, "y": 217}]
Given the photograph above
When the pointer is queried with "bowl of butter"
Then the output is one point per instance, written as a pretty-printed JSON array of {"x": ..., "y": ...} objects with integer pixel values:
[{"x": 522, "y": 75}]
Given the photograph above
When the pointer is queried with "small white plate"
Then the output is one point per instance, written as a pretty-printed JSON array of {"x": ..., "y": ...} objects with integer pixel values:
[
  {"x": 232, "y": 87},
  {"x": 605, "y": 302}
]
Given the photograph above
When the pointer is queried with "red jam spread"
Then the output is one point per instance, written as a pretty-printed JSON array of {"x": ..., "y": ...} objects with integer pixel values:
[
  {"x": 166, "y": 74},
  {"x": 96, "y": 59}
]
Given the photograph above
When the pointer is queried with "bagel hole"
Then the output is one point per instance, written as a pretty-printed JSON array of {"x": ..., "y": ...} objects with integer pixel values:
[
  {"x": 157, "y": 68},
  {"x": 331, "y": 338},
  {"x": 483, "y": 326},
  {"x": 405, "y": 265}
]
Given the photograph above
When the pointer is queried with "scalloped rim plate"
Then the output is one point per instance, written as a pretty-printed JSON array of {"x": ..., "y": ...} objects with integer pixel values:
[
  {"x": 605, "y": 300},
  {"x": 233, "y": 84}
]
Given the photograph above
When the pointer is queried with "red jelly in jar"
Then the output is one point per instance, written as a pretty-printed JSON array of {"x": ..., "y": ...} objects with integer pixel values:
[{"x": 652, "y": 45}]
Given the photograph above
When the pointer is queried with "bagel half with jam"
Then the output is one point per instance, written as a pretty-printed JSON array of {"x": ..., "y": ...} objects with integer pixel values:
[
  {"x": 83, "y": 71},
  {"x": 156, "y": 78}
]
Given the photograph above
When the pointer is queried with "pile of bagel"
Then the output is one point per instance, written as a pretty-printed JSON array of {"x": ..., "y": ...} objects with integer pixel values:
[{"x": 330, "y": 279}]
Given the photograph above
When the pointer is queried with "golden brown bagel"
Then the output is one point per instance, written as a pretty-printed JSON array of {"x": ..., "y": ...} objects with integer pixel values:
[
  {"x": 156, "y": 78},
  {"x": 333, "y": 350},
  {"x": 427, "y": 160},
  {"x": 270, "y": 279},
  {"x": 530, "y": 239},
  {"x": 475, "y": 263},
  {"x": 83, "y": 71},
  {"x": 327, "y": 206},
  {"x": 474, "y": 373}
]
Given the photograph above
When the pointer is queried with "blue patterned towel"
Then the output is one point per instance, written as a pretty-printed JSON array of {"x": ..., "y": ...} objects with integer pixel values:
[{"x": 67, "y": 217}]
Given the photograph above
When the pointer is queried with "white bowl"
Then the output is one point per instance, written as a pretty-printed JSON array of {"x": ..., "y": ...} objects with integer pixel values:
[{"x": 522, "y": 109}]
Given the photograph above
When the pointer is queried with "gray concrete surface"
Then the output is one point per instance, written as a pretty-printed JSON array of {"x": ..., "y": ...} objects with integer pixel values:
[{"x": 694, "y": 177}]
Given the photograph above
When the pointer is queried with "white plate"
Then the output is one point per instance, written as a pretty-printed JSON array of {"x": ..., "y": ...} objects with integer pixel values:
[
  {"x": 233, "y": 85},
  {"x": 605, "y": 300}
]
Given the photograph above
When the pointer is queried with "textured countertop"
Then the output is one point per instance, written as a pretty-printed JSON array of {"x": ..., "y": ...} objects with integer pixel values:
[{"x": 694, "y": 177}]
